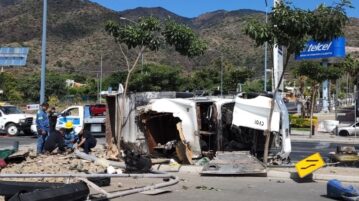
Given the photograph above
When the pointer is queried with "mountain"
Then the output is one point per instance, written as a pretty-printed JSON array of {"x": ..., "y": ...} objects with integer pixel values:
[{"x": 76, "y": 36}]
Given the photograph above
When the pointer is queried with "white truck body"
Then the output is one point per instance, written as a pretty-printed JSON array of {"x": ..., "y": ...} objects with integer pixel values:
[
  {"x": 13, "y": 120},
  {"x": 81, "y": 118}
]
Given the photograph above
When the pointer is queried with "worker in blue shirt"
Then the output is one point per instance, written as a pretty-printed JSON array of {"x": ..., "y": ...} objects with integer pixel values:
[{"x": 42, "y": 125}]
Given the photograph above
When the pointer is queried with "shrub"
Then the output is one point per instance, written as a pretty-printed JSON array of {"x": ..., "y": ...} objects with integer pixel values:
[{"x": 297, "y": 121}]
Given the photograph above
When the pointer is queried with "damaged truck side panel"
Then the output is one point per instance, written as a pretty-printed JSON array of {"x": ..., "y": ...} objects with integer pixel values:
[{"x": 160, "y": 123}]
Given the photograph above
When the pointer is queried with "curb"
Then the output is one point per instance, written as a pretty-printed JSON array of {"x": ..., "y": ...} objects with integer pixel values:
[
  {"x": 323, "y": 140},
  {"x": 314, "y": 176},
  {"x": 194, "y": 169}
]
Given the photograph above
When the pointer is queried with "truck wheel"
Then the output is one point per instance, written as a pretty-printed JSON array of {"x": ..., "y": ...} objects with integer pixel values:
[{"x": 12, "y": 129}]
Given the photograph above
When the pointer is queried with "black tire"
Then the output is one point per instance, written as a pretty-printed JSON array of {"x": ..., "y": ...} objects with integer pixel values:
[
  {"x": 69, "y": 192},
  {"x": 10, "y": 188},
  {"x": 12, "y": 129},
  {"x": 100, "y": 181},
  {"x": 344, "y": 133}
]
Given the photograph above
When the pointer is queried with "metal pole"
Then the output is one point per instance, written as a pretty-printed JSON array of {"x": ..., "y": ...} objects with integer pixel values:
[
  {"x": 100, "y": 80},
  {"x": 355, "y": 113},
  {"x": 325, "y": 84},
  {"x": 336, "y": 103},
  {"x": 221, "y": 75},
  {"x": 43, "y": 53},
  {"x": 98, "y": 87},
  {"x": 265, "y": 54},
  {"x": 142, "y": 71}
]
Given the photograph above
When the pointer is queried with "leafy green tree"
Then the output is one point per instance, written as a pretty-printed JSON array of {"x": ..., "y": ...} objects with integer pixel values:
[
  {"x": 233, "y": 77},
  {"x": 29, "y": 85},
  {"x": 155, "y": 77},
  {"x": 253, "y": 86},
  {"x": 8, "y": 83},
  {"x": 316, "y": 74},
  {"x": 291, "y": 27},
  {"x": 149, "y": 33}
]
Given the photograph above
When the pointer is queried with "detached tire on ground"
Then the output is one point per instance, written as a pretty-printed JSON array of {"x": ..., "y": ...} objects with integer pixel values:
[
  {"x": 69, "y": 192},
  {"x": 10, "y": 188},
  {"x": 12, "y": 129},
  {"x": 100, "y": 181}
]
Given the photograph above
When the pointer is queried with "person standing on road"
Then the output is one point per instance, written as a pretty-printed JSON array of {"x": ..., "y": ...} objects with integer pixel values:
[
  {"x": 52, "y": 119},
  {"x": 42, "y": 125}
]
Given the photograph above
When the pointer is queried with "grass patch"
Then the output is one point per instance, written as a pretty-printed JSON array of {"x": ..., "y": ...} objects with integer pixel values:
[{"x": 301, "y": 129}]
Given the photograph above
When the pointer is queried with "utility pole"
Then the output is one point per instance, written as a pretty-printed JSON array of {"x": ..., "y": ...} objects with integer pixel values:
[
  {"x": 325, "y": 87},
  {"x": 43, "y": 53},
  {"x": 100, "y": 79},
  {"x": 221, "y": 75},
  {"x": 266, "y": 53}
]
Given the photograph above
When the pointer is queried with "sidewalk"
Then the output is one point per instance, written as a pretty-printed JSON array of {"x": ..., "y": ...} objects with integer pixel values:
[
  {"x": 297, "y": 135},
  {"x": 343, "y": 174}
]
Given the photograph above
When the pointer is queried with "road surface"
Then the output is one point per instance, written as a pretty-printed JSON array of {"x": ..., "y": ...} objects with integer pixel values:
[{"x": 300, "y": 149}]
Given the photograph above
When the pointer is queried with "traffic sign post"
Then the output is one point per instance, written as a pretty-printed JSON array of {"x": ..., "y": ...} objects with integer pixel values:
[{"x": 309, "y": 165}]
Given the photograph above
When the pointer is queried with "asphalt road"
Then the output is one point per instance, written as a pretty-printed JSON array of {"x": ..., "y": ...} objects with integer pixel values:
[
  {"x": 193, "y": 187},
  {"x": 300, "y": 149}
]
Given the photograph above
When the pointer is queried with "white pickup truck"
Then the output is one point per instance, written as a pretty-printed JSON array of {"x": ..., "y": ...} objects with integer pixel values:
[
  {"x": 87, "y": 117},
  {"x": 13, "y": 120}
]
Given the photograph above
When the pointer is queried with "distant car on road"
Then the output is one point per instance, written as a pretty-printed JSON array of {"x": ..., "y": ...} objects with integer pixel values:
[
  {"x": 13, "y": 120},
  {"x": 349, "y": 130}
]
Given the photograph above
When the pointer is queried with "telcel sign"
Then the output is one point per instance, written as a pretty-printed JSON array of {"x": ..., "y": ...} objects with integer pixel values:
[{"x": 320, "y": 50}]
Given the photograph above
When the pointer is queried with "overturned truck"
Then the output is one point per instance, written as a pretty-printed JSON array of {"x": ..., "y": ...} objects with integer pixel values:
[{"x": 173, "y": 125}]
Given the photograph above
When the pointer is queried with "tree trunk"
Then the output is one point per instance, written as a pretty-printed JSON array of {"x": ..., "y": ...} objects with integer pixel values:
[
  {"x": 314, "y": 93},
  {"x": 124, "y": 96}
]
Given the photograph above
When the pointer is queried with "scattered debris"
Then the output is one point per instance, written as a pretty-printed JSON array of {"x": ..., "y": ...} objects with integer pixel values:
[
  {"x": 234, "y": 163},
  {"x": 156, "y": 191},
  {"x": 345, "y": 155},
  {"x": 54, "y": 164},
  {"x": 202, "y": 187},
  {"x": 203, "y": 161},
  {"x": 336, "y": 190},
  {"x": 137, "y": 163},
  {"x": 68, "y": 192}
]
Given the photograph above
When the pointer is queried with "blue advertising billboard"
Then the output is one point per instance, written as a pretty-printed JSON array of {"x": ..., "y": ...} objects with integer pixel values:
[
  {"x": 13, "y": 56},
  {"x": 322, "y": 50}
]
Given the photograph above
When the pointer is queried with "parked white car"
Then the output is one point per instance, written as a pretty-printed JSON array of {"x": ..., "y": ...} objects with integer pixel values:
[
  {"x": 13, "y": 120},
  {"x": 349, "y": 130}
]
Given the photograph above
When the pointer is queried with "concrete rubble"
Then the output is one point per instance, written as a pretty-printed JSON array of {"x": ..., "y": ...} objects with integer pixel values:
[{"x": 52, "y": 164}]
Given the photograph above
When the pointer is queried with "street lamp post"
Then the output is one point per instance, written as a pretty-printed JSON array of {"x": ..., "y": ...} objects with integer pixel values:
[
  {"x": 43, "y": 53},
  {"x": 266, "y": 52},
  {"x": 221, "y": 75}
]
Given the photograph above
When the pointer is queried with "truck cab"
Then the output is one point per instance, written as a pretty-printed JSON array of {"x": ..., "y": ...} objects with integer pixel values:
[
  {"x": 13, "y": 120},
  {"x": 87, "y": 117}
]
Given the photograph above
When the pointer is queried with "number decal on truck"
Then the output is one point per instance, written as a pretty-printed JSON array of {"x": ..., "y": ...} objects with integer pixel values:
[{"x": 260, "y": 123}]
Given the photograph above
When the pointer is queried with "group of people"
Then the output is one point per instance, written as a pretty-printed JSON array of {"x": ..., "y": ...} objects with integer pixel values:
[{"x": 63, "y": 139}]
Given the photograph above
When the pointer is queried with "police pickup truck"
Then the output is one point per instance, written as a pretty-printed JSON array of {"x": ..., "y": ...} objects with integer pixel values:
[{"x": 87, "y": 117}]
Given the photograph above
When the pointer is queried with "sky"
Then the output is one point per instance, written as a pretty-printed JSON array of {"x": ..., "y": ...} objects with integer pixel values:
[{"x": 194, "y": 8}]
